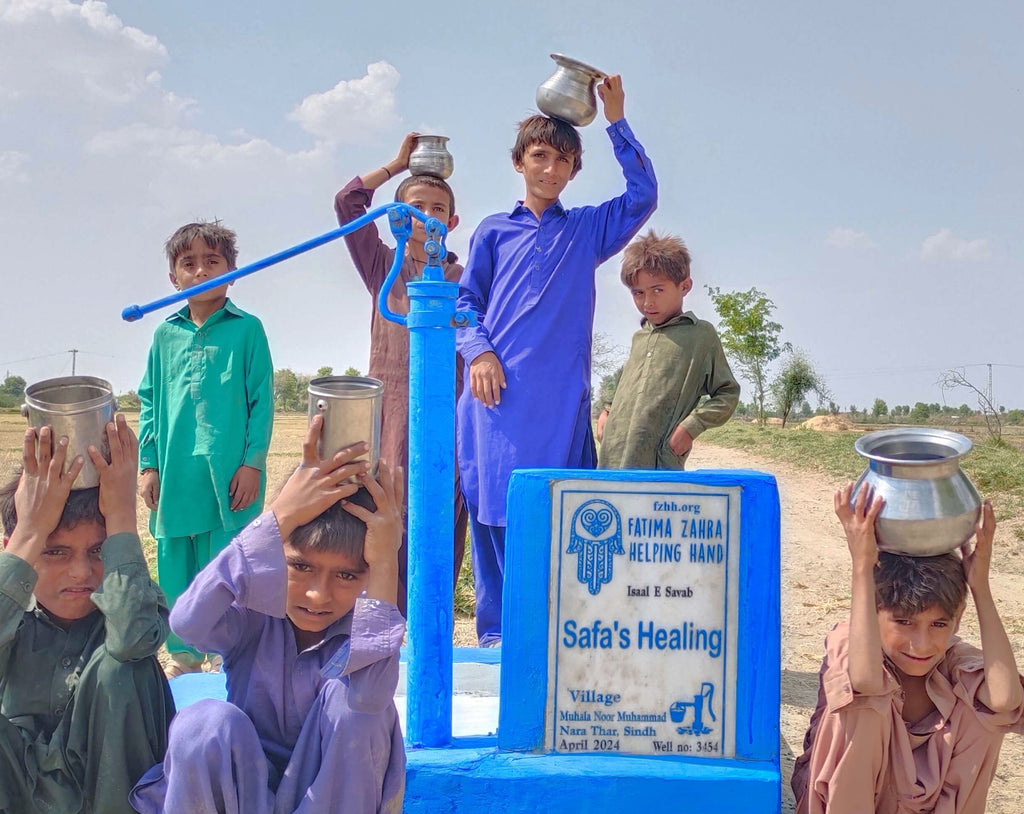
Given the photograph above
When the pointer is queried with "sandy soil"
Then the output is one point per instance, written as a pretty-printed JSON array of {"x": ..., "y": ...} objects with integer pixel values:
[{"x": 816, "y": 595}]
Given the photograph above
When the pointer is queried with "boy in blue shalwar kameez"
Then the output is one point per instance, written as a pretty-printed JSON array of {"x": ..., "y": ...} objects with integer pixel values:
[{"x": 530, "y": 279}]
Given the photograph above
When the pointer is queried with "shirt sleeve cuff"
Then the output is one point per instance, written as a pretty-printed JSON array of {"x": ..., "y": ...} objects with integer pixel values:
[
  {"x": 256, "y": 458},
  {"x": 693, "y": 425},
  {"x": 120, "y": 550},
  {"x": 378, "y": 628},
  {"x": 470, "y": 349},
  {"x": 17, "y": 579},
  {"x": 620, "y": 131}
]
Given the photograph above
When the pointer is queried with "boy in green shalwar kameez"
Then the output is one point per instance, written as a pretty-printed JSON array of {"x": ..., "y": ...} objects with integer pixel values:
[
  {"x": 84, "y": 706},
  {"x": 205, "y": 421}
]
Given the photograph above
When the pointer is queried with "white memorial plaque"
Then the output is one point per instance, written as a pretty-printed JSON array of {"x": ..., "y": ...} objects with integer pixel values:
[{"x": 642, "y": 639}]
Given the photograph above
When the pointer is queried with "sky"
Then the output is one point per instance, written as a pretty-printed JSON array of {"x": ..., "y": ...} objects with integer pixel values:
[{"x": 861, "y": 164}]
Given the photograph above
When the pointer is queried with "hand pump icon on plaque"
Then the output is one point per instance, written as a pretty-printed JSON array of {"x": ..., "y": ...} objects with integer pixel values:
[
  {"x": 596, "y": 536},
  {"x": 677, "y": 712}
]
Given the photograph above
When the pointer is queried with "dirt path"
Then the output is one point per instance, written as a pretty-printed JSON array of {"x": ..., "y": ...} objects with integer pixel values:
[{"x": 816, "y": 595}]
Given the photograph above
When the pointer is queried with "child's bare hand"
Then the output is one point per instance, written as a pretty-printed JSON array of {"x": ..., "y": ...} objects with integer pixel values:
[
  {"x": 244, "y": 488},
  {"x": 118, "y": 478},
  {"x": 42, "y": 492},
  {"x": 317, "y": 484},
  {"x": 978, "y": 559},
  {"x": 602, "y": 419},
  {"x": 487, "y": 379},
  {"x": 613, "y": 97},
  {"x": 384, "y": 526},
  {"x": 859, "y": 523},
  {"x": 680, "y": 442},
  {"x": 149, "y": 488},
  {"x": 401, "y": 162}
]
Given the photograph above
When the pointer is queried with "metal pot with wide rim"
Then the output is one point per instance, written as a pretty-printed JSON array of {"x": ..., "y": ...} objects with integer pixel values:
[{"x": 931, "y": 506}]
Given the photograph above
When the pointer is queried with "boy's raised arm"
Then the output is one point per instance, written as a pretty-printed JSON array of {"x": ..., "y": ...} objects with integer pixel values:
[
  {"x": 353, "y": 200},
  {"x": 1001, "y": 691},
  {"x": 620, "y": 218},
  {"x": 866, "y": 672},
  {"x": 134, "y": 607}
]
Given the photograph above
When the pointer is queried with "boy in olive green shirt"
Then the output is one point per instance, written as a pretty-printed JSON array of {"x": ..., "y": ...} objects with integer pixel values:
[
  {"x": 674, "y": 361},
  {"x": 205, "y": 421},
  {"x": 84, "y": 706}
]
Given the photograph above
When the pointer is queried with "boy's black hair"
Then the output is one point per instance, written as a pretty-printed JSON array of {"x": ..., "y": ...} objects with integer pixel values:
[
  {"x": 83, "y": 506},
  {"x": 213, "y": 234},
  {"x": 425, "y": 181},
  {"x": 546, "y": 130},
  {"x": 335, "y": 530},
  {"x": 914, "y": 584},
  {"x": 662, "y": 255}
]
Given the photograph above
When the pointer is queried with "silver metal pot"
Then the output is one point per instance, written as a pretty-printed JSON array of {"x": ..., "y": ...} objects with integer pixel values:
[
  {"x": 931, "y": 506},
  {"x": 351, "y": 408},
  {"x": 80, "y": 408},
  {"x": 568, "y": 94},
  {"x": 430, "y": 156}
]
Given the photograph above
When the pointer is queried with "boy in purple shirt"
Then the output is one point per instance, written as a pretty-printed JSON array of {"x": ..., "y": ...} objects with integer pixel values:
[
  {"x": 530, "y": 279},
  {"x": 301, "y": 605}
]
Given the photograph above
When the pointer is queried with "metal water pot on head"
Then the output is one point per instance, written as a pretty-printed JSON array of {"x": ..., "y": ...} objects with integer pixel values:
[
  {"x": 931, "y": 506},
  {"x": 569, "y": 93},
  {"x": 351, "y": 410},
  {"x": 79, "y": 407},
  {"x": 430, "y": 156}
]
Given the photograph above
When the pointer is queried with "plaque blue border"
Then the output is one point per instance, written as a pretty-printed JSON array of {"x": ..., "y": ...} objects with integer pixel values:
[{"x": 525, "y": 614}]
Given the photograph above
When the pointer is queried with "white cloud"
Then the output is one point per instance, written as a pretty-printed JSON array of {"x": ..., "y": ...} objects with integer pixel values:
[
  {"x": 944, "y": 245},
  {"x": 843, "y": 237},
  {"x": 12, "y": 166},
  {"x": 74, "y": 53},
  {"x": 354, "y": 110}
]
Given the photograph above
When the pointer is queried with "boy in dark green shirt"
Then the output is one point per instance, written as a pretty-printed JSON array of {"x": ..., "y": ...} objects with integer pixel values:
[
  {"x": 674, "y": 361},
  {"x": 84, "y": 706}
]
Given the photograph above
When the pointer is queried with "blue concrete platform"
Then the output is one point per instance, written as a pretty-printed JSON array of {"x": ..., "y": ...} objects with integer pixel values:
[{"x": 483, "y": 779}]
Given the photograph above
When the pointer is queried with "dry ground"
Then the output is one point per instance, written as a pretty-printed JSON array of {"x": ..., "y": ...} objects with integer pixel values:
[{"x": 815, "y": 584}]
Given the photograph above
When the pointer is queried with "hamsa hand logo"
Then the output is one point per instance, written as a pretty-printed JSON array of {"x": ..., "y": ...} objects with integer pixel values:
[{"x": 596, "y": 536}]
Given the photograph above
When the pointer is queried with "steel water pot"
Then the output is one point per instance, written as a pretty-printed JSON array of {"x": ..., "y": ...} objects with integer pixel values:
[
  {"x": 568, "y": 94},
  {"x": 80, "y": 408},
  {"x": 931, "y": 506},
  {"x": 351, "y": 409},
  {"x": 430, "y": 156}
]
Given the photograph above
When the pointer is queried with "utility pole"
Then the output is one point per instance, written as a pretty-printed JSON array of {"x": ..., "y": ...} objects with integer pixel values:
[
  {"x": 991, "y": 397},
  {"x": 74, "y": 359}
]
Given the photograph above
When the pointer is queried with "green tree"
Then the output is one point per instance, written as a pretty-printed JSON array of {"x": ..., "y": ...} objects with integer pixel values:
[
  {"x": 13, "y": 386},
  {"x": 879, "y": 408},
  {"x": 606, "y": 391},
  {"x": 326, "y": 370},
  {"x": 287, "y": 392},
  {"x": 129, "y": 401},
  {"x": 920, "y": 413},
  {"x": 351, "y": 371},
  {"x": 796, "y": 379},
  {"x": 750, "y": 337}
]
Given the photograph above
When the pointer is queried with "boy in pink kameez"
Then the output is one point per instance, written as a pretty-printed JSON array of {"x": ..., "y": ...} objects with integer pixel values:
[
  {"x": 389, "y": 342},
  {"x": 909, "y": 718}
]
